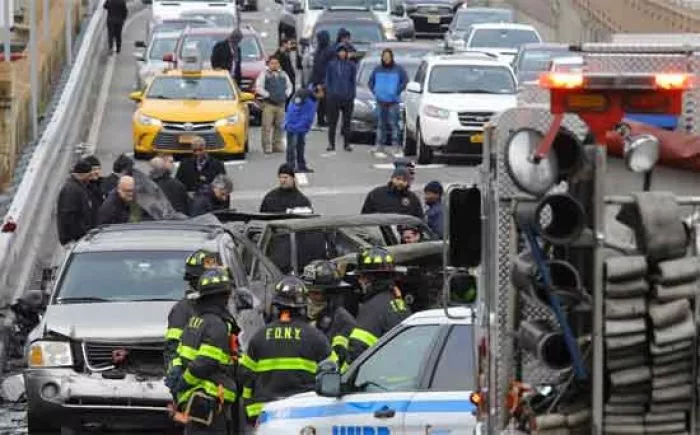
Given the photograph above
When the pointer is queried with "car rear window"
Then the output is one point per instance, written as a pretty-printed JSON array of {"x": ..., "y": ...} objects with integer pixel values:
[
  {"x": 467, "y": 19},
  {"x": 250, "y": 49}
]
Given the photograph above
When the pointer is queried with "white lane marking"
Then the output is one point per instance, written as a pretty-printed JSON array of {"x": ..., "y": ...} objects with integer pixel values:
[
  {"x": 329, "y": 154},
  {"x": 302, "y": 179},
  {"x": 249, "y": 195},
  {"x": 379, "y": 155},
  {"x": 101, "y": 105},
  {"x": 391, "y": 166}
]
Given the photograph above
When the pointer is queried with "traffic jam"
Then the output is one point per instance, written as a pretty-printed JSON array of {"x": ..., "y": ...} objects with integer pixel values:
[{"x": 494, "y": 304}]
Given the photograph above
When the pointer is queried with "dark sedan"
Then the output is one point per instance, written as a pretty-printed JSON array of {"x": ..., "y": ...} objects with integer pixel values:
[
  {"x": 466, "y": 17},
  {"x": 364, "y": 115},
  {"x": 430, "y": 17}
]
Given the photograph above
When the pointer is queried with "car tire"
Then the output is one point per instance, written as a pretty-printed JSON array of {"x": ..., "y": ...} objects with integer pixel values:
[
  {"x": 425, "y": 153},
  {"x": 37, "y": 425},
  {"x": 409, "y": 144}
]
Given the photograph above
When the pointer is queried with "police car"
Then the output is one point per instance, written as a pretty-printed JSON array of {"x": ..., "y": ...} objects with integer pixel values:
[{"x": 420, "y": 378}]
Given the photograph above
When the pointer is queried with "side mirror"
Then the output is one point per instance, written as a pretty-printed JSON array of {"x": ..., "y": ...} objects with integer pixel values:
[
  {"x": 463, "y": 288},
  {"x": 139, "y": 56},
  {"x": 136, "y": 96},
  {"x": 139, "y": 44},
  {"x": 328, "y": 384},
  {"x": 413, "y": 87},
  {"x": 463, "y": 226},
  {"x": 398, "y": 10},
  {"x": 246, "y": 97},
  {"x": 168, "y": 57}
]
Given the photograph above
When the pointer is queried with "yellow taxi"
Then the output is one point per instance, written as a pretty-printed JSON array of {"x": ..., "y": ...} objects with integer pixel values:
[{"x": 179, "y": 105}]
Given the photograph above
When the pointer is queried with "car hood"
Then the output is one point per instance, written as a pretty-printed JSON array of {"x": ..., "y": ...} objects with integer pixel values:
[
  {"x": 189, "y": 111},
  {"x": 475, "y": 102},
  {"x": 109, "y": 321}
]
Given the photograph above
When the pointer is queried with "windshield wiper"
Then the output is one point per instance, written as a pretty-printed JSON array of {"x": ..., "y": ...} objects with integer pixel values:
[
  {"x": 155, "y": 299},
  {"x": 83, "y": 299},
  {"x": 159, "y": 97}
]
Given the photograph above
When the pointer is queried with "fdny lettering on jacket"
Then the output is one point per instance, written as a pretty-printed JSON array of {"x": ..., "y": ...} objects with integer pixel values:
[
  {"x": 361, "y": 430},
  {"x": 283, "y": 333}
]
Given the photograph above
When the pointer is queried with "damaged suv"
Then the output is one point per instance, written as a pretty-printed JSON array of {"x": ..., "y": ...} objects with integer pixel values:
[{"x": 95, "y": 361}]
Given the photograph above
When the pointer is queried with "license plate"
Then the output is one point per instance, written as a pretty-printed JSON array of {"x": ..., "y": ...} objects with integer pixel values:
[
  {"x": 477, "y": 138},
  {"x": 434, "y": 19},
  {"x": 186, "y": 138}
]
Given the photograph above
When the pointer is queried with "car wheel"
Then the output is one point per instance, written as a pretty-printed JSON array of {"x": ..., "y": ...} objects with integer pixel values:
[
  {"x": 409, "y": 144},
  {"x": 425, "y": 153},
  {"x": 37, "y": 425}
]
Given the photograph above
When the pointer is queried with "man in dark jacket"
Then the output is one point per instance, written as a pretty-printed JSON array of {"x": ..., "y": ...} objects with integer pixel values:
[
  {"x": 343, "y": 39},
  {"x": 199, "y": 170},
  {"x": 120, "y": 206},
  {"x": 75, "y": 215},
  {"x": 434, "y": 210},
  {"x": 340, "y": 95},
  {"x": 226, "y": 55},
  {"x": 387, "y": 82},
  {"x": 283, "y": 55},
  {"x": 123, "y": 165},
  {"x": 116, "y": 15},
  {"x": 322, "y": 56},
  {"x": 286, "y": 197},
  {"x": 161, "y": 173},
  {"x": 94, "y": 186},
  {"x": 217, "y": 197},
  {"x": 394, "y": 197}
]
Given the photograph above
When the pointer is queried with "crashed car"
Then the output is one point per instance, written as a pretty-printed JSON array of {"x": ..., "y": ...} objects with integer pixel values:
[{"x": 95, "y": 360}]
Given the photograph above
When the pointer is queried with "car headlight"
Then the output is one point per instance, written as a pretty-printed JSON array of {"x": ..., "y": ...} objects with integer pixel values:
[
  {"x": 50, "y": 354},
  {"x": 148, "y": 120},
  {"x": 436, "y": 112},
  {"x": 229, "y": 120}
]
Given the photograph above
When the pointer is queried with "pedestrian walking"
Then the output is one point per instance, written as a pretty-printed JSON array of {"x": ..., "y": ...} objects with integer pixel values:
[
  {"x": 116, "y": 16},
  {"x": 286, "y": 197},
  {"x": 216, "y": 197},
  {"x": 75, "y": 214},
  {"x": 226, "y": 55},
  {"x": 121, "y": 207},
  {"x": 434, "y": 208},
  {"x": 297, "y": 123},
  {"x": 174, "y": 190},
  {"x": 394, "y": 197},
  {"x": 199, "y": 170},
  {"x": 283, "y": 53},
  {"x": 274, "y": 87},
  {"x": 123, "y": 165},
  {"x": 340, "y": 94},
  {"x": 387, "y": 82},
  {"x": 322, "y": 56}
]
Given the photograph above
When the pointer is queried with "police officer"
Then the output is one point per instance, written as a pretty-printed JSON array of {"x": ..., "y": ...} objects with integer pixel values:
[
  {"x": 325, "y": 310},
  {"x": 282, "y": 358},
  {"x": 207, "y": 388},
  {"x": 381, "y": 306},
  {"x": 195, "y": 266}
]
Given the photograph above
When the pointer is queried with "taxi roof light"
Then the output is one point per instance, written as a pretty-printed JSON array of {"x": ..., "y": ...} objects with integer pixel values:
[{"x": 561, "y": 80}]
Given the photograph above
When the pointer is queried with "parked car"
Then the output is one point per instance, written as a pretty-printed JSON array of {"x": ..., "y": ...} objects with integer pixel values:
[
  {"x": 149, "y": 60},
  {"x": 363, "y": 124},
  {"x": 451, "y": 99},
  {"x": 533, "y": 59},
  {"x": 502, "y": 38},
  {"x": 223, "y": 18},
  {"x": 111, "y": 298},
  {"x": 466, "y": 17},
  {"x": 431, "y": 17},
  {"x": 173, "y": 25},
  {"x": 164, "y": 9}
]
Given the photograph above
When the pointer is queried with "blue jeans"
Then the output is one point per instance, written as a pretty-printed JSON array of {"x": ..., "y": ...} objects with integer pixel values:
[
  {"x": 388, "y": 122},
  {"x": 296, "y": 144}
]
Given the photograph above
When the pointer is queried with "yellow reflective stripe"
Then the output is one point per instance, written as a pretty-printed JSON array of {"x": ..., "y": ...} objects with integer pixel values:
[
  {"x": 247, "y": 392},
  {"x": 363, "y": 336},
  {"x": 341, "y": 341},
  {"x": 173, "y": 334},
  {"x": 344, "y": 367},
  {"x": 333, "y": 357},
  {"x": 191, "y": 379},
  {"x": 186, "y": 352},
  {"x": 253, "y": 410},
  {"x": 214, "y": 353},
  {"x": 248, "y": 363},
  {"x": 207, "y": 386},
  {"x": 271, "y": 364}
]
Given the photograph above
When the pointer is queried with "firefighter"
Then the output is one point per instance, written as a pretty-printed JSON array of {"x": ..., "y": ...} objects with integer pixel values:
[
  {"x": 382, "y": 306},
  {"x": 206, "y": 391},
  {"x": 195, "y": 266},
  {"x": 282, "y": 358},
  {"x": 325, "y": 310}
]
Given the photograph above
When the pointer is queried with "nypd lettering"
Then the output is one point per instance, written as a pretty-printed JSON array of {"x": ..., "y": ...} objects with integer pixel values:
[{"x": 361, "y": 430}]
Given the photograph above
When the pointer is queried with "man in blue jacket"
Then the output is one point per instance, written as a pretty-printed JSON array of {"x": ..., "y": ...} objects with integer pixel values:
[
  {"x": 387, "y": 82},
  {"x": 297, "y": 123},
  {"x": 340, "y": 95}
]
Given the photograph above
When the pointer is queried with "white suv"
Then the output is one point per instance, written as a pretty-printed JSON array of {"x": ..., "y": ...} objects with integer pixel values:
[{"x": 451, "y": 99}]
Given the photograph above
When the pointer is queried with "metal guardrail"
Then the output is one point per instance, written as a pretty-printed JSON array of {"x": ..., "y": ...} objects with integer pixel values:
[{"x": 44, "y": 172}]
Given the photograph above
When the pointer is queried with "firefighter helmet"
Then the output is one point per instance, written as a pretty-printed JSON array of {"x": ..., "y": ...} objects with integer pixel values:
[
  {"x": 213, "y": 282},
  {"x": 290, "y": 292},
  {"x": 197, "y": 263},
  {"x": 375, "y": 260},
  {"x": 322, "y": 275}
]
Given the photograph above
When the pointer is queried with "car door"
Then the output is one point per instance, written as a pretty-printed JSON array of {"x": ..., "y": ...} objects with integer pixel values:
[
  {"x": 379, "y": 388},
  {"x": 445, "y": 406},
  {"x": 413, "y": 99}
]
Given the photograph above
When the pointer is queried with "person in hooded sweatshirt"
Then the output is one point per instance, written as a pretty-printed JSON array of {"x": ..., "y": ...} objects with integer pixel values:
[
  {"x": 297, "y": 123},
  {"x": 226, "y": 55},
  {"x": 340, "y": 94},
  {"x": 286, "y": 197},
  {"x": 343, "y": 39},
  {"x": 174, "y": 190},
  {"x": 322, "y": 56},
  {"x": 387, "y": 82}
]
